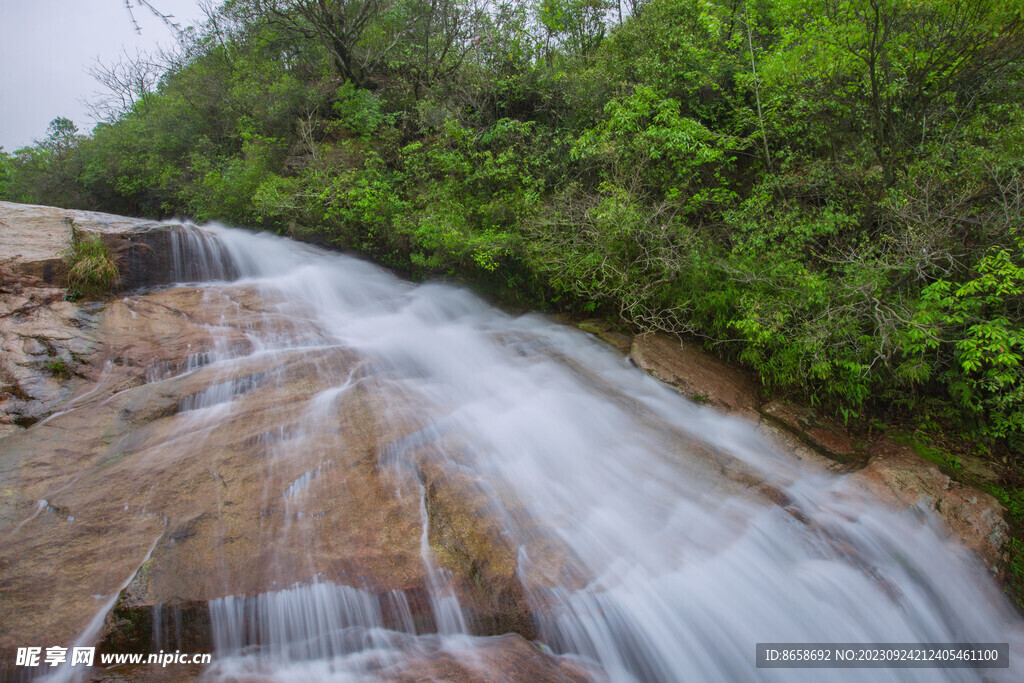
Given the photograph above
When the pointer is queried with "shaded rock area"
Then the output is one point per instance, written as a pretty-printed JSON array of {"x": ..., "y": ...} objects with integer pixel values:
[
  {"x": 46, "y": 345},
  {"x": 823, "y": 434},
  {"x": 895, "y": 474}
]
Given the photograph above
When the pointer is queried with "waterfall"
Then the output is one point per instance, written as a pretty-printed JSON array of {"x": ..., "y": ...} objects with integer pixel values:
[{"x": 622, "y": 517}]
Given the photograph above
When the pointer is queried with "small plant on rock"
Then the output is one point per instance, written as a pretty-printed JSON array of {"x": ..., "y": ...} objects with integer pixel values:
[
  {"x": 92, "y": 269},
  {"x": 58, "y": 368}
]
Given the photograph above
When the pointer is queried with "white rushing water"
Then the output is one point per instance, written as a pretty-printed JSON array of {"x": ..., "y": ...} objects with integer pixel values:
[{"x": 679, "y": 569}]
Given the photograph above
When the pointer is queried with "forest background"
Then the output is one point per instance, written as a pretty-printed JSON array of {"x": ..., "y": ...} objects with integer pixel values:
[{"x": 825, "y": 191}]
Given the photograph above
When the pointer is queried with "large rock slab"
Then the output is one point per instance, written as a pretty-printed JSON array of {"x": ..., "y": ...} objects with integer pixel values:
[
  {"x": 164, "y": 486},
  {"x": 33, "y": 239},
  {"x": 34, "y": 236}
]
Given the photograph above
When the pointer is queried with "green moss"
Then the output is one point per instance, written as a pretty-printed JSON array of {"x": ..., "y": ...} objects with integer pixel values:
[{"x": 946, "y": 462}]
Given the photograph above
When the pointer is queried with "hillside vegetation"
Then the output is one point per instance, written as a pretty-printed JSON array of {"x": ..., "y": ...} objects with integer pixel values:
[{"x": 827, "y": 191}]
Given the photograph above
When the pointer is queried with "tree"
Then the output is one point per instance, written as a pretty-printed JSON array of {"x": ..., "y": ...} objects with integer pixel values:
[
  {"x": 576, "y": 25},
  {"x": 124, "y": 83},
  {"x": 146, "y": 4},
  {"x": 342, "y": 27},
  {"x": 440, "y": 38},
  {"x": 908, "y": 65}
]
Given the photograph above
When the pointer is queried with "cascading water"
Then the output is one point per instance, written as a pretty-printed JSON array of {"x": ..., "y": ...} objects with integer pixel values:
[{"x": 635, "y": 521}]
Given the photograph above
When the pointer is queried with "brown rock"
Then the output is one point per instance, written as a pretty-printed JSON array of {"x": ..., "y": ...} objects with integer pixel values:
[
  {"x": 143, "y": 488},
  {"x": 604, "y": 331},
  {"x": 788, "y": 442},
  {"x": 822, "y": 433},
  {"x": 47, "y": 346},
  {"x": 695, "y": 374},
  {"x": 900, "y": 478},
  {"x": 35, "y": 237}
]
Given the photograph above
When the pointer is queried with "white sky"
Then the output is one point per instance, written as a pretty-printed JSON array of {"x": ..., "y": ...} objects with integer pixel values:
[{"x": 47, "y": 46}]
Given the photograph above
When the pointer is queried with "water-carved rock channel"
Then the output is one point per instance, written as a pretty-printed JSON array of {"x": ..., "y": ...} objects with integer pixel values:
[{"x": 313, "y": 470}]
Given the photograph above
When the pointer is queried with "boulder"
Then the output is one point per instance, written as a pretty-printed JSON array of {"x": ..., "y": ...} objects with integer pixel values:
[{"x": 35, "y": 238}]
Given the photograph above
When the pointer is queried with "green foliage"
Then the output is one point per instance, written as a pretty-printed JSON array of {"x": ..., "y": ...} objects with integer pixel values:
[
  {"x": 6, "y": 171},
  {"x": 577, "y": 25},
  {"x": 47, "y": 172},
  {"x": 828, "y": 191},
  {"x": 981, "y": 319},
  {"x": 58, "y": 368},
  {"x": 359, "y": 111},
  {"x": 644, "y": 134}
]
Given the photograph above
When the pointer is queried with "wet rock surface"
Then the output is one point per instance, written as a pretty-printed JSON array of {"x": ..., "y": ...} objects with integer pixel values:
[
  {"x": 604, "y": 331},
  {"x": 214, "y": 443},
  {"x": 148, "y": 479},
  {"x": 48, "y": 343},
  {"x": 695, "y": 374},
  {"x": 898, "y": 476},
  {"x": 894, "y": 473},
  {"x": 47, "y": 346}
]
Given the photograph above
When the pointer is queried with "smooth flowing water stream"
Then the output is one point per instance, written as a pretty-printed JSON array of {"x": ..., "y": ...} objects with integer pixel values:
[{"x": 635, "y": 521}]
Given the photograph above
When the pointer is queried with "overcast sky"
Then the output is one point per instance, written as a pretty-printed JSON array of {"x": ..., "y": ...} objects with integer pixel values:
[{"x": 47, "y": 46}]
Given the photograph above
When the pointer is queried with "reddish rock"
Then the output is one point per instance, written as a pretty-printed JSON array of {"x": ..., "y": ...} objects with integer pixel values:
[
  {"x": 695, "y": 373},
  {"x": 901, "y": 478},
  {"x": 823, "y": 434}
]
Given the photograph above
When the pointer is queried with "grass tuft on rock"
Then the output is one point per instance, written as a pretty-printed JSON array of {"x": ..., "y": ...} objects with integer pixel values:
[{"x": 92, "y": 269}]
